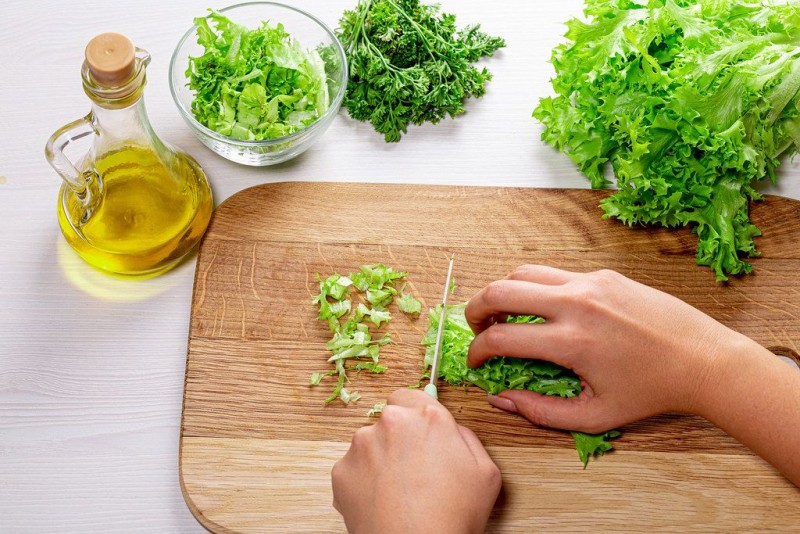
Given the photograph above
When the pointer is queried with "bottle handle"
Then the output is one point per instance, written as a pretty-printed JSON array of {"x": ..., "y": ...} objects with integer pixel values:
[{"x": 54, "y": 153}]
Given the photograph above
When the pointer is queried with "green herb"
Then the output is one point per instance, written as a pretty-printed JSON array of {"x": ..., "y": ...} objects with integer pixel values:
[
  {"x": 501, "y": 373},
  {"x": 691, "y": 102},
  {"x": 376, "y": 276},
  {"x": 348, "y": 397},
  {"x": 589, "y": 445},
  {"x": 254, "y": 84},
  {"x": 316, "y": 378},
  {"x": 376, "y": 316},
  {"x": 370, "y": 366},
  {"x": 409, "y": 64},
  {"x": 408, "y": 304},
  {"x": 352, "y": 340},
  {"x": 376, "y": 410},
  {"x": 335, "y": 287}
]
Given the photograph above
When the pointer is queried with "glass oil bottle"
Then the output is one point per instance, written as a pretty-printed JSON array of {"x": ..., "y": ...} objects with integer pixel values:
[{"x": 133, "y": 205}]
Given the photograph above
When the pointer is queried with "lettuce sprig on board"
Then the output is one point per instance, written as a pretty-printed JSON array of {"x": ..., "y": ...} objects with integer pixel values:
[
  {"x": 502, "y": 373},
  {"x": 352, "y": 346},
  {"x": 691, "y": 103}
]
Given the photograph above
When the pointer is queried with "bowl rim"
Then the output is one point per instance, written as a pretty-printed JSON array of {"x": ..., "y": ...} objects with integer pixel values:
[{"x": 335, "y": 104}]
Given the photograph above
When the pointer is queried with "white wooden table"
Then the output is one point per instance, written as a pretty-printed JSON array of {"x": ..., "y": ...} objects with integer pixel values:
[{"x": 91, "y": 367}]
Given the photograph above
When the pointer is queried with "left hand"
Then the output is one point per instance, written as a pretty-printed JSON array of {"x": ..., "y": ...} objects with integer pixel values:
[{"x": 415, "y": 470}]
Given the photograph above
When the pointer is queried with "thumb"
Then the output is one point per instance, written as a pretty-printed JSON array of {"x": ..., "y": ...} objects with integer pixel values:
[{"x": 583, "y": 413}]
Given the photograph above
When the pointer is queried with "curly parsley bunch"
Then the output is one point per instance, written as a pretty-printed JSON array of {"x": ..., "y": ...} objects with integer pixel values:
[{"x": 409, "y": 64}]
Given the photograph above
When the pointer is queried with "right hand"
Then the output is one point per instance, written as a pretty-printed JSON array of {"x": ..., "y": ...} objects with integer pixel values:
[
  {"x": 638, "y": 351},
  {"x": 415, "y": 470}
]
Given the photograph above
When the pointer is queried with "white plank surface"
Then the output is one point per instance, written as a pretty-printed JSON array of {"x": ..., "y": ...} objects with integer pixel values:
[{"x": 91, "y": 368}]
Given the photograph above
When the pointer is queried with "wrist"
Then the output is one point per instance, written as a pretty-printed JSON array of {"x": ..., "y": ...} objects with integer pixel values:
[
  {"x": 721, "y": 374},
  {"x": 444, "y": 520}
]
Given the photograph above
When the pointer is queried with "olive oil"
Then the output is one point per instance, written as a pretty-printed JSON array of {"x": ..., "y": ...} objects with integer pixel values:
[
  {"x": 149, "y": 215},
  {"x": 133, "y": 206}
]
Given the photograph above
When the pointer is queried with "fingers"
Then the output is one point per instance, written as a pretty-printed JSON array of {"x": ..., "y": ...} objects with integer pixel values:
[
  {"x": 548, "y": 341},
  {"x": 523, "y": 292},
  {"x": 584, "y": 413},
  {"x": 511, "y": 297},
  {"x": 410, "y": 398},
  {"x": 542, "y": 274}
]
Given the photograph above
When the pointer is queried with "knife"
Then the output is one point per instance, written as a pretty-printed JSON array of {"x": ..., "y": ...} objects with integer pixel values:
[{"x": 431, "y": 388}]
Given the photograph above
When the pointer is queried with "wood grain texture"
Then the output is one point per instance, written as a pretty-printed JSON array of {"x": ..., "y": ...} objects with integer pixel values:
[
  {"x": 257, "y": 443},
  {"x": 263, "y": 485}
]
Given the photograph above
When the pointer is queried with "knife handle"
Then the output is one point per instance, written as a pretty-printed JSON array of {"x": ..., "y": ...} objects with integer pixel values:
[{"x": 431, "y": 390}]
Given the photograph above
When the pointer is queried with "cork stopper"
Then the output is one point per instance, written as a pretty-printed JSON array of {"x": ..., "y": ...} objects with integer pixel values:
[{"x": 110, "y": 58}]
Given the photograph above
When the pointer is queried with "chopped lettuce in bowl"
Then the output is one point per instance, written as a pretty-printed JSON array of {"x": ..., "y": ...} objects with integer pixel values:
[
  {"x": 254, "y": 84},
  {"x": 258, "y": 82}
]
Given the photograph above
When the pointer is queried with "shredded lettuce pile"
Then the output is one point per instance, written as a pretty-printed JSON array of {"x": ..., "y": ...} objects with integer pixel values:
[
  {"x": 352, "y": 342},
  {"x": 501, "y": 373},
  {"x": 690, "y": 101},
  {"x": 254, "y": 84}
]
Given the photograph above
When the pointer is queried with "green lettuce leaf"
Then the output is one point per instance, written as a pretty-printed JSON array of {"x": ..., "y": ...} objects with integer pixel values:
[
  {"x": 408, "y": 304},
  {"x": 589, "y": 445},
  {"x": 690, "y": 102}
]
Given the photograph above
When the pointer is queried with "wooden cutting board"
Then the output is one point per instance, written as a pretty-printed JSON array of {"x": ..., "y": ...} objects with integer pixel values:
[{"x": 257, "y": 443}]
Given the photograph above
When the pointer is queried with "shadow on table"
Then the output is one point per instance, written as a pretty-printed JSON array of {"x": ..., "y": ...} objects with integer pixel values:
[{"x": 107, "y": 287}]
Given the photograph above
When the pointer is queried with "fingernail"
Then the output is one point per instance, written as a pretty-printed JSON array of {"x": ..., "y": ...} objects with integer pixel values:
[{"x": 502, "y": 403}]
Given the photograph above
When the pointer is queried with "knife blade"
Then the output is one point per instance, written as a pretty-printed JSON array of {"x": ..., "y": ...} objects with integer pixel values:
[{"x": 431, "y": 388}]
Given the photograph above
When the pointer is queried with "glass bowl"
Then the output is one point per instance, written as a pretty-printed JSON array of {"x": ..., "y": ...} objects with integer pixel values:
[{"x": 310, "y": 33}]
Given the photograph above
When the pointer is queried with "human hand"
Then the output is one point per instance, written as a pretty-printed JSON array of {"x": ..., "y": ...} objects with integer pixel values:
[
  {"x": 415, "y": 470},
  {"x": 637, "y": 350}
]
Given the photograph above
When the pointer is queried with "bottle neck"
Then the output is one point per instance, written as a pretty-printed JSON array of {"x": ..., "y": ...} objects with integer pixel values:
[
  {"x": 120, "y": 126},
  {"x": 118, "y": 114}
]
